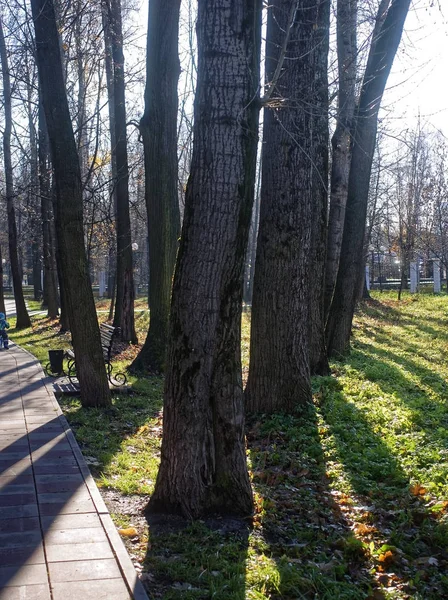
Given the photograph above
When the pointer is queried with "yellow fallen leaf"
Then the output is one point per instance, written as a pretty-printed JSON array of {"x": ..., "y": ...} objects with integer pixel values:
[
  {"x": 363, "y": 529},
  {"x": 418, "y": 490},
  {"x": 386, "y": 558},
  {"x": 129, "y": 532}
]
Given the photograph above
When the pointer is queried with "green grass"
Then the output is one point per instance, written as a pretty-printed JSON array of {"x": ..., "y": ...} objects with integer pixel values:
[{"x": 351, "y": 493}]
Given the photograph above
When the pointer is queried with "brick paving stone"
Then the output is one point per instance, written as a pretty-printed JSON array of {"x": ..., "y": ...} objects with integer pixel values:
[
  {"x": 57, "y": 486},
  {"x": 13, "y": 455},
  {"x": 27, "y": 555},
  {"x": 84, "y": 570},
  {"x": 14, "y": 445},
  {"x": 47, "y": 426},
  {"x": 15, "y": 470},
  {"x": 18, "y": 512},
  {"x": 27, "y": 592},
  {"x": 67, "y": 508},
  {"x": 75, "y": 536},
  {"x": 15, "y": 479},
  {"x": 73, "y": 521},
  {"x": 104, "y": 589},
  {"x": 53, "y": 478},
  {"x": 12, "y": 486},
  {"x": 10, "y": 435},
  {"x": 16, "y": 499},
  {"x": 54, "y": 467},
  {"x": 27, "y": 575},
  {"x": 82, "y": 493},
  {"x": 22, "y": 538},
  {"x": 19, "y": 524},
  {"x": 85, "y": 551}
]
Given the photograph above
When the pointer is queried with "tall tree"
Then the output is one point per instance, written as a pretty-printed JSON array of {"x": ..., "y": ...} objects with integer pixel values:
[
  {"x": 23, "y": 319},
  {"x": 385, "y": 42},
  {"x": 50, "y": 291},
  {"x": 346, "y": 24},
  {"x": 124, "y": 305},
  {"x": 68, "y": 200},
  {"x": 158, "y": 128},
  {"x": 203, "y": 466},
  {"x": 293, "y": 193}
]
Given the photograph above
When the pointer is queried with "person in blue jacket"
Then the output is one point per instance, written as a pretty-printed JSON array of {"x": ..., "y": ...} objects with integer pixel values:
[{"x": 4, "y": 325}]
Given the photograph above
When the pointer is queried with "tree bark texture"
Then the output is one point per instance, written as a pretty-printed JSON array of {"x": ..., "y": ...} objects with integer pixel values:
[
  {"x": 319, "y": 127},
  {"x": 2, "y": 291},
  {"x": 294, "y": 163},
  {"x": 23, "y": 319},
  {"x": 50, "y": 291},
  {"x": 69, "y": 222},
  {"x": 346, "y": 24},
  {"x": 382, "y": 52},
  {"x": 158, "y": 128},
  {"x": 124, "y": 305},
  {"x": 203, "y": 467}
]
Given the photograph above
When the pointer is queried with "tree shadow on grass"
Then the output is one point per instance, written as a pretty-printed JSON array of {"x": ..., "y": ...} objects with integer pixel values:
[
  {"x": 421, "y": 390},
  {"x": 400, "y": 516},
  {"x": 302, "y": 539},
  {"x": 182, "y": 560}
]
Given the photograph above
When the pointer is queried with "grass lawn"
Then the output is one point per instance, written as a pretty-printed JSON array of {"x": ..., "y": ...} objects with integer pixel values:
[{"x": 351, "y": 494}]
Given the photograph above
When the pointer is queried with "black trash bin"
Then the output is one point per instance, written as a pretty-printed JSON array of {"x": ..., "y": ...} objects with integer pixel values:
[{"x": 56, "y": 360}]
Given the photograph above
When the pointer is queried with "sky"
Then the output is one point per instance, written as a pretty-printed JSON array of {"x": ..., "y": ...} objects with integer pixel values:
[{"x": 418, "y": 84}]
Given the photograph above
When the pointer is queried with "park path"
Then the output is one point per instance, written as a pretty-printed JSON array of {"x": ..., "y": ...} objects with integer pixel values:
[{"x": 57, "y": 540}]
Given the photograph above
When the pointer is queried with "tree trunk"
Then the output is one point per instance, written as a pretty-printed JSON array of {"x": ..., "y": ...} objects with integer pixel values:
[
  {"x": 382, "y": 52},
  {"x": 341, "y": 141},
  {"x": 69, "y": 222},
  {"x": 252, "y": 245},
  {"x": 124, "y": 305},
  {"x": 23, "y": 319},
  {"x": 319, "y": 127},
  {"x": 203, "y": 467},
  {"x": 158, "y": 128},
  {"x": 294, "y": 163},
  {"x": 50, "y": 291},
  {"x": 2, "y": 291}
]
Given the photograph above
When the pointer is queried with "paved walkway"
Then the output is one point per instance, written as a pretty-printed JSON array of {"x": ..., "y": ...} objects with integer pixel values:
[{"x": 57, "y": 540}]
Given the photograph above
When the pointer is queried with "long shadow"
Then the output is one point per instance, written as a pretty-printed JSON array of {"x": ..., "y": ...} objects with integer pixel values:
[
  {"x": 402, "y": 522},
  {"x": 201, "y": 559},
  {"x": 423, "y": 391},
  {"x": 39, "y": 495},
  {"x": 302, "y": 527},
  {"x": 386, "y": 312}
]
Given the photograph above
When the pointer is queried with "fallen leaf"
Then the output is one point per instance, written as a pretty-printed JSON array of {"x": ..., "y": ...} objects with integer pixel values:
[
  {"x": 363, "y": 529},
  {"x": 129, "y": 532},
  {"x": 418, "y": 490},
  {"x": 386, "y": 558}
]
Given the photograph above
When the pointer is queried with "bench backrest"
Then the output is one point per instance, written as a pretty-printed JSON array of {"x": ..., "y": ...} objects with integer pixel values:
[{"x": 108, "y": 333}]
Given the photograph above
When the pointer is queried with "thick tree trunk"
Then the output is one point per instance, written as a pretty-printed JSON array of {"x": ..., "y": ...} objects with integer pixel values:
[
  {"x": 50, "y": 291},
  {"x": 382, "y": 52},
  {"x": 293, "y": 191},
  {"x": 341, "y": 140},
  {"x": 158, "y": 128},
  {"x": 69, "y": 223},
  {"x": 124, "y": 305},
  {"x": 2, "y": 291},
  {"x": 23, "y": 319},
  {"x": 203, "y": 467},
  {"x": 36, "y": 242}
]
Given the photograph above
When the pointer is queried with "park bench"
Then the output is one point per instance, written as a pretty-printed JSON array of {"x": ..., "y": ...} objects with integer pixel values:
[{"x": 108, "y": 334}]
